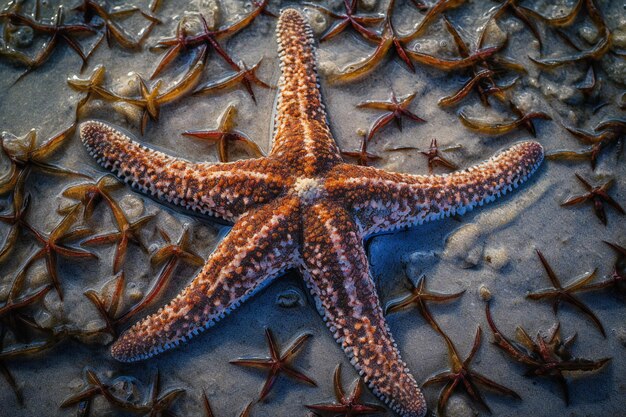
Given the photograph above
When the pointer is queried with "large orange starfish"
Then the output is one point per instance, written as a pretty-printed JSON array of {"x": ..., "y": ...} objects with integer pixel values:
[{"x": 299, "y": 207}]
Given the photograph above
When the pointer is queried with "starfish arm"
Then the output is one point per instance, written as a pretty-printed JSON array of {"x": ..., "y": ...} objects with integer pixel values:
[
  {"x": 222, "y": 190},
  {"x": 302, "y": 137},
  {"x": 384, "y": 201},
  {"x": 336, "y": 271},
  {"x": 261, "y": 246}
]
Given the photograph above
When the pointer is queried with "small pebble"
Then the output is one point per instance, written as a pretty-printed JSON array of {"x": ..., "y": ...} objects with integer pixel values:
[
  {"x": 484, "y": 292},
  {"x": 497, "y": 258},
  {"x": 368, "y": 5},
  {"x": 317, "y": 20},
  {"x": 132, "y": 206},
  {"x": 290, "y": 298}
]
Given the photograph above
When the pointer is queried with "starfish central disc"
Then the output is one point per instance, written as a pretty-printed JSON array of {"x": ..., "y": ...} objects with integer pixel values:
[{"x": 309, "y": 189}]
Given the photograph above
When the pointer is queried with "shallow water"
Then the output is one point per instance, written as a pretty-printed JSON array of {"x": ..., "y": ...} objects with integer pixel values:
[{"x": 491, "y": 248}]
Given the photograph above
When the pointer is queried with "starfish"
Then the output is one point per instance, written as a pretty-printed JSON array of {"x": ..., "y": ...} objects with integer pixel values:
[
  {"x": 598, "y": 195},
  {"x": 395, "y": 111},
  {"x": 347, "y": 405},
  {"x": 299, "y": 207},
  {"x": 559, "y": 294},
  {"x": 277, "y": 362}
]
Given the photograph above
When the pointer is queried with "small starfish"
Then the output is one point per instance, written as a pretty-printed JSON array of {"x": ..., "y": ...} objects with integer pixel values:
[
  {"x": 90, "y": 193},
  {"x": 435, "y": 158},
  {"x": 24, "y": 153},
  {"x": 389, "y": 38},
  {"x": 606, "y": 134},
  {"x": 418, "y": 297},
  {"x": 396, "y": 110},
  {"x": 349, "y": 18},
  {"x": 347, "y": 406},
  {"x": 93, "y": 87},
  {"x": 203, "y": 40},
  {"x": 362, "y": 156},
  {"x": 617, "y": 280},
  {"x": 53, "y": 246},
  {"x": 91, "y": 8},
  {"x": 501, "y": 128},
  {"x": 550, "y": 357},
  {"x": 152, "y": 98},
  {"x": 461, "y": 375},
  {"x": 225, "y": 134},
  {"x": 277, "y": 363},
  {"x": 108, "y": 309},
  {"x": 126, "y": 232},
  {"x": 598, "y": 196},
  {"x": 244, "y": 75},
  {"x": 172, "y": 254},
  {"x": 58, "y": 31},
  {"x": 154, "y": 406},
  {"x": 302, "y": 207},
  {"x": 483, "y": 71},
  {"x": 560, "y": 294}
]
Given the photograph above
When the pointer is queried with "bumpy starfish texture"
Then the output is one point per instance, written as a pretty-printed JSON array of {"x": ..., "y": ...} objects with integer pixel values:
[{"x": 299, "y": 207}]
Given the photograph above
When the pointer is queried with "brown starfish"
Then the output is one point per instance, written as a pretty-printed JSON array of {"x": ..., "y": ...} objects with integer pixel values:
[
  {"x": 108, "y": 308},
  {"x": 395, "y": 111},
  {"x": 346, "y": 405},
  {"x": 362, "y": 156},
  {"x": 17, "y": 219},
  {"x": 126, "y": 232},
  {"x": 607, "y": 133},
  {"x": 549, "y": 357},
  {"x": 58, "y": 31},
  {"x": 90, "y": 193},
  {"x": 24, "y": 153},
  {"x": 559, "y": 294},
  {"x": 460, "y": 374},
  {"x": 277, "y": 362},
  {"x": 225, "y": 134},
  {"x": 418, "y": 297},
  {"x": 501, "y": 128},
  {"x": 172, "y": 254},
  {"x": 598, "y": 195}
]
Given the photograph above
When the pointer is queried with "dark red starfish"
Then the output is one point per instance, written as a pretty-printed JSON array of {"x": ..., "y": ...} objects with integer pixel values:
[
  {"x": 226, "y": 134},
  {"x": 126, "y": 232},
  {"x": 419, "y": 296},
  {"x": 206, "y": 38},
  {"x": 277, "y": 362},
  {"x": 460, "y": 374},
  {"x": 435, "y": 158},
  {"x": 350, "y": 18},
  {"x": 362, "y": 156},
  {"x": 395, "y": 111},
  {"x": 243, "y": 75},
  {"x": 551, "y": 357},
  {"x": 53, "y": 246},
  {"x": 346, "y": 405},
  {"x": 559, "y": 294},
  {"x": 598, "y": 195}
]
